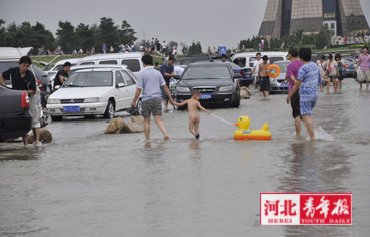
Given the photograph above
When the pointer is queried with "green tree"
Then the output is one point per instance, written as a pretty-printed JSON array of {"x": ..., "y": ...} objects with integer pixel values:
[
  {"x": 195, "y": 49},
  {"x": 66, "y": 36},
  {"x": 323, "y": 38},
  {"x": 127, "y": 34},
  {"x": 85, "y": 37},
  {"x": 108, "y": 32}
]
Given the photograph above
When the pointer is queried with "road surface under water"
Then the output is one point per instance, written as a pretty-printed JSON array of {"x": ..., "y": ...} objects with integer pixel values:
[{"x": 86, "y": 183}]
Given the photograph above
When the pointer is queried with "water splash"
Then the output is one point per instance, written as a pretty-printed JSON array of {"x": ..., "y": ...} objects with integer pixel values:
[
  {"x": 222, "y": 119},
  {"x": 322, "y": 135}
]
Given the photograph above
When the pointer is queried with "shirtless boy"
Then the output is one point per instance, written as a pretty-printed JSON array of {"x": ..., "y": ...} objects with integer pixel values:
[{"x": 193, "y": 107}]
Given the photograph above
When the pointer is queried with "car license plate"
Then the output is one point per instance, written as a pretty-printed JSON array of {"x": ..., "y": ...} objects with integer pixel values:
[
  {"x": 206, "y": 96},
  {"x": 71, "y": 109}
]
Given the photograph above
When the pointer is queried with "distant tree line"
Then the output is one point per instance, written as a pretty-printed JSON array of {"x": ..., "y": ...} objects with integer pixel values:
[
  {"x": 296, "y": 39},
  {"x": 68, "y": 37}
]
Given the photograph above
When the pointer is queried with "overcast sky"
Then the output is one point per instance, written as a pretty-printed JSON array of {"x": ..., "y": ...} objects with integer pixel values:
[{"x": 212, "y": 23}]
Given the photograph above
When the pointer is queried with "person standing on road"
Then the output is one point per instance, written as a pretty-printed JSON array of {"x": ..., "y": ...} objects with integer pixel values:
[
  {"x": 308, "y": 81},
  {"x": 340, "y": 66},
  {"x": 149, "y": 84},
  {"x": 263, "y": 74},
  {"x": 293, "y": 99},
  {"x": 62, "y": 75},
  {"x": 167, "y": 69},
  {"x": 256, "y": 69},
  {"x": 364, "y": 62},
  {"x": 332, "y": 73},
  {"x": 322, "y": 64},
  {"x": 23, "y": 79}
]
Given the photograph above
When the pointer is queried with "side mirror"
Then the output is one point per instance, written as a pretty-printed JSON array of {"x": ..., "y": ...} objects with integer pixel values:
[
  {"x": 250, "y": 64},
  {"x": 119, "y": 85}
]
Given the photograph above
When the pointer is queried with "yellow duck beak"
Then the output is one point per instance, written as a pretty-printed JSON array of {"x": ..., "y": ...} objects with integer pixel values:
[{"x": 236, "y": 124}]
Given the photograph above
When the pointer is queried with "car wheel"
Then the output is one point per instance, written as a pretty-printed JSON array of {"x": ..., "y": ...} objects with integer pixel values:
[
  {"x": 56, "y": 118},
  {"x": 109, "y": 111},
  {"x": 235, "y": 99},
  {"x": 139, "y": 107}
]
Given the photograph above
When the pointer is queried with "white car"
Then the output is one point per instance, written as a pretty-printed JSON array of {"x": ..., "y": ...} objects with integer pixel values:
[{"x": 94, "y": 91}]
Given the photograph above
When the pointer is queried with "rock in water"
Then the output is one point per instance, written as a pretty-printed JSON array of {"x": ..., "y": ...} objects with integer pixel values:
[
  {"x": 132, "y": 128},
  {"x": 244, "y": 94},
  {"x": 45, "y": 136},
  {"x": 137, "y": 119},
  {"x": 115, "y": 126}
]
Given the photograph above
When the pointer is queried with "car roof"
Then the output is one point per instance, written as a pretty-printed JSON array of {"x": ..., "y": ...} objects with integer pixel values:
[
  {"x": 207, "y": 63},
  {"x": 7, "y": 53},
  {"x": 112, "y": 66},
  {"x": 253, "y": 54},
  {"x": 112, "y": 56},
  {"x": 108, "y": 69},
  {"x": 282, "y": 61},
  {"x": 71, "y": 60}
]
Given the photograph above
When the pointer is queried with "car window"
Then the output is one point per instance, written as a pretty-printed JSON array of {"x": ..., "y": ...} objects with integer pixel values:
[
  {"x": 240, "y": 61},
  {"x": 274, "y": 59},
  {"x": 108, "y": 62},
  {"x": 87, "y": 63},
  {"x": 207, "y": 72},
  {"x": 58, "y": 67},
  {"x": 129, "y": 80},
  {"x": 119, "y": 78},
  {"x": 90, "y": 79},
  {"x": 6, "y": 65},
  {"x": 132, "y": 64},
  {"x": 37, "y": 71},
  {"x": 283, "y": 66}
]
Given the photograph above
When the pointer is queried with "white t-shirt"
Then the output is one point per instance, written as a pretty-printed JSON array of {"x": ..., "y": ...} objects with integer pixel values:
[{"x": 256, "y": 66}]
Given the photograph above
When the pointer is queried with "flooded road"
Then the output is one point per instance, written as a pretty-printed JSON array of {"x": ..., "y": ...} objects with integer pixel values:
[{"x": 89, "y": 184}]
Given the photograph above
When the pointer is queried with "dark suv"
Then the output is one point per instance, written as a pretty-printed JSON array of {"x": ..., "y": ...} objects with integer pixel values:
[{"x": 216, "y": 81}]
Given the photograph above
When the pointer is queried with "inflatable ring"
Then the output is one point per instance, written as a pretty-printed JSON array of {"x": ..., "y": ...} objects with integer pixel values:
[{"x": 274, "y": 71}]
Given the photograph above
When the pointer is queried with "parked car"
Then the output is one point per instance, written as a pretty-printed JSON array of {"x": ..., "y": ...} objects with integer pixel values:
[
  {"x": 94, "y": 91},
  {"x": 49, "y": 81},
  {"x": 349, "y": 69},
  {"x": 247, "y": 59},
  {"x": 280, "y": 84},
  {"x": 246, "y": 77},
  {"x": 15, "y": 116},
  {"x": 215, "y": 80},
  {"x": 187, "y": 60},
  {"x": 131, "y": 60}
]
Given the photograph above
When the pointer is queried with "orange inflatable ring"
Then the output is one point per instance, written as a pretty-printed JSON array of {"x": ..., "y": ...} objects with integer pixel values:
[{"x": 274, "y": 71}]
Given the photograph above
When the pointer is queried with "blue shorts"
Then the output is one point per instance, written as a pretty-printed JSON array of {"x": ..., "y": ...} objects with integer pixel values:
[{"x": 307, "y": 107}]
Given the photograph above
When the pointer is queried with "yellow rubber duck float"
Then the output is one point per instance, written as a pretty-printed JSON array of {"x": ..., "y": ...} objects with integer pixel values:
[{"x": 243, "y": 132}]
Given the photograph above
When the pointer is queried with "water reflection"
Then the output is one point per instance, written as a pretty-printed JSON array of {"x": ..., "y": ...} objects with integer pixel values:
[{"x": 19, "y": 152}]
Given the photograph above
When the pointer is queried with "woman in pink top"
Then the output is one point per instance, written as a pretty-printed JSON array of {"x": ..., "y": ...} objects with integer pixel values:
[{"x": 364, "y": 62}]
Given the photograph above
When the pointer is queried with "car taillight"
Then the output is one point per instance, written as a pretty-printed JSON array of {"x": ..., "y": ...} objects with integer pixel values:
[{"x": 25, "y": 100}]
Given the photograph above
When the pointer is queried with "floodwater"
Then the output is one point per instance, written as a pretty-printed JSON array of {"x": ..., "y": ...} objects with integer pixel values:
[{"x": 89, "y": 184}]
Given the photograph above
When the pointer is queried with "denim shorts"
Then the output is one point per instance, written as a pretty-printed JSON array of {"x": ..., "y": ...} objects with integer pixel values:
[{"x": 307, "y": 107}]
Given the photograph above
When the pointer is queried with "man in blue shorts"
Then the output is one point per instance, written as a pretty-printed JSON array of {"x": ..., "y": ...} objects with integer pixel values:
[{"x": 308, "y": 83}]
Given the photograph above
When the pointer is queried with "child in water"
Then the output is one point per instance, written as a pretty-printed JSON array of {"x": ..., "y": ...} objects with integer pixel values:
[{"x": 193, "y": 107}]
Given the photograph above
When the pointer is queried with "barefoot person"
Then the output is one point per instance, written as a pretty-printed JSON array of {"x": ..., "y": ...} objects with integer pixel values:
[
  {"x": 149, "y": 84},
  {"x": 193, "y": 107},
  {"x": 292, "y": 74},
  {"x": 265, "y": 79},
  {"x": 364, "y": 62},
  {"x": 308, "y": 83},
  {"x": 23, "y": 79}
]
